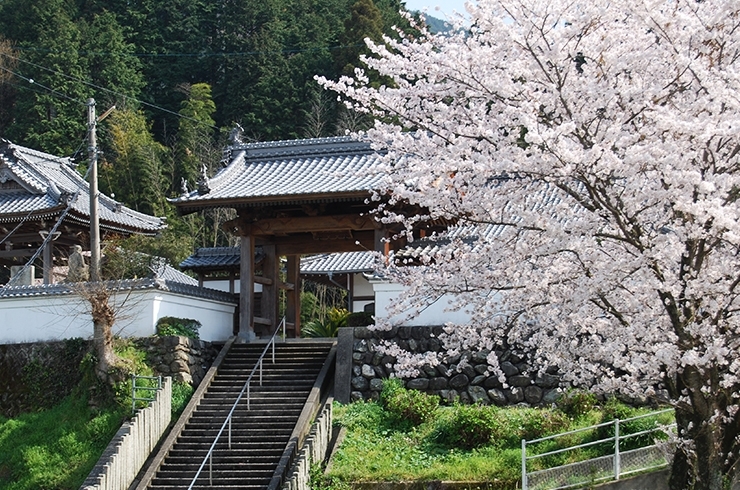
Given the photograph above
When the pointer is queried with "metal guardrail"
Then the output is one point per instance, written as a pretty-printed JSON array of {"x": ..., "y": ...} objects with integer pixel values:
[
  {"x": 245, "y": 389},
  {"x": 610, "y": 467},
  {"x": 151, "y": 390}
]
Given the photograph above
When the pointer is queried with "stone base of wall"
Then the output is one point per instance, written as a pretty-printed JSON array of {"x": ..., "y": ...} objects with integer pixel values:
[
  {"x": 184, "y": 359},
  {"x": 40, "y": 374},
  {"x": 465, "y": 377}
]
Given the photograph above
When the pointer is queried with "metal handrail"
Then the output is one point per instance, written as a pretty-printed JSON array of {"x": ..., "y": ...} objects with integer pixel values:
[
  {"x": 245, "y": 389},
  {"x": 617, "y": 438},
  {"x": 134, "y": 387}
]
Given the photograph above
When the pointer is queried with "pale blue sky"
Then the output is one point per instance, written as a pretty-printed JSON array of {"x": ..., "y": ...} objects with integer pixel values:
[{"x": 446, "y": 6}]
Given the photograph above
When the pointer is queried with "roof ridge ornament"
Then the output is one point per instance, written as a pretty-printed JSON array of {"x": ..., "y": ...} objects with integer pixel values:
[{"x": 203, "y": 187}]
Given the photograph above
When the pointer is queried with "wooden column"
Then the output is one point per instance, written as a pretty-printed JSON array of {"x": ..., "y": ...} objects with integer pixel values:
[
  {"x": 293, "y": 293},
  {"x": 270, "y": 289},
  {"x": 246, "y": 289}
]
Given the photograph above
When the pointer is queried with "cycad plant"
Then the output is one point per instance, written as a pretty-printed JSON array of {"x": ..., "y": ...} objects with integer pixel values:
[{"x": 328, "y": 327}]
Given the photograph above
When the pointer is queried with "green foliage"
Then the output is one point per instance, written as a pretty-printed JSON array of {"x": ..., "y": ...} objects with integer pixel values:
[
  {"x": 55, "y": 448},
  {"x": 466, "y": 427},
  {"x": 407, "y": 407},
  {"x": 184, "y": 327},
  {"x": 360, "y": 319},
  {"x": 134, "y": 170},
  {"x": 181, "y": 394},
  {"x": 335, "y": 319},
  {"x": 51, "y": 380},
  {"x": 576, "y": 403},
  {"x": 195, "y": 145},
  {"x": 119, "y": 263},
  {"x": 614, "y": 409},
  {"x": 470, "y": 443}
]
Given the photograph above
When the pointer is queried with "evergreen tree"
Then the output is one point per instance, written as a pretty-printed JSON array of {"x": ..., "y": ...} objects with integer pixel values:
[
  {"x": 49, "y": 113},
  {"x": 365, "y": 21},
  {"x": 110, "y": 60}
]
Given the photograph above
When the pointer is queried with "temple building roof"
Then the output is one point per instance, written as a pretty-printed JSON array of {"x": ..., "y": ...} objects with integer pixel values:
[
  {"x": 315, "y": 170},
  {"x": 39, "y": 186}
]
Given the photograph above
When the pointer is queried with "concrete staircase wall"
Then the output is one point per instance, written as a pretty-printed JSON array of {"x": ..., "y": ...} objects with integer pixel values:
[{"x": 263, "y": 439}]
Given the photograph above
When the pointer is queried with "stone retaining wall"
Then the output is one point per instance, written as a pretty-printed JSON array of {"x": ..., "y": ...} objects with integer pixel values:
[
  {"x": 40, "y": 374},
  {"x": 361, "y": 367},
  {"x": 182, "y": 358}
]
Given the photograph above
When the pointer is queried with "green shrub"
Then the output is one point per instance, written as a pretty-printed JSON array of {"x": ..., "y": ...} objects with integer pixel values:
[
  {"x": 329, "y": 327},
  {"x": 407, "y": 407},
  {"x": 614, "y": 409},
  {"x": 184, "y": 327},
  {"x": 360, "y": 319},
  {"x": 576, "y": 403},
  {"x": 181, "y": 393},
  {"x": 467, "y": 427}
]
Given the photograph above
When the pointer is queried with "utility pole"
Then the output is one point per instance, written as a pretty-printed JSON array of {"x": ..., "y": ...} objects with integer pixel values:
[{"x": 94, "y": 217}]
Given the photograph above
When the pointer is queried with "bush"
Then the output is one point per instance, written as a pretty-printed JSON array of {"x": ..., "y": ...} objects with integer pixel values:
[
  {"x": 467, "y": 427},
  {"x": 407, "y": 407},
  {"x": 576, "y": 403},
  {"x": 615, "y": 409},
  {"x": 184, "y": 327},
  {"x": 360, "y": 319}
]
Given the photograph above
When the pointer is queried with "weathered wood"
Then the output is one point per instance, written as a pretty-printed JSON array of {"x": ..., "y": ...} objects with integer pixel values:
[
  {"x": 265, "y": 281},
  {"x": 306, "y": 224},
  {"x": 246, "y": 288},
  {"x": 293, "y": 296},
  {"x": 270, "y": 274}
]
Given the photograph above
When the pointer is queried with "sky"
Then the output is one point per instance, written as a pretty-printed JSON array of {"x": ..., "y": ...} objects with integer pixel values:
[{"x": 446, "y": 6}]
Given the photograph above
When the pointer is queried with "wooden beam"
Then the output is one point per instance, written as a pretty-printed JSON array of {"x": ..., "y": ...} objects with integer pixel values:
[
  {"x": 21, "y": 252},
  {"x": 265, "y": 281},
  {"x": 304, "y": 224},
  {"x": 306, "y": 244}
]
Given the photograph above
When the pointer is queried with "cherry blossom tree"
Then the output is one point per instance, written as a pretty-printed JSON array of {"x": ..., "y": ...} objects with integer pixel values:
[{"x": 590, "y": 153}]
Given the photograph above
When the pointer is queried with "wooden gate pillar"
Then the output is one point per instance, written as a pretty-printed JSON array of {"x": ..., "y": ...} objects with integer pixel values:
[
  {"x": 293, "y": 295},
  {"x": 246, "y": 289}
]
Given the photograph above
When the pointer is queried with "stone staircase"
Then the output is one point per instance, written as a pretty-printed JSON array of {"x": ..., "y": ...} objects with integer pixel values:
[{"x": 259, "y": 436}]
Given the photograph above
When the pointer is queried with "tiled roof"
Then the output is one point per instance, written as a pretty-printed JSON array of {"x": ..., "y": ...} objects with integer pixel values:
[
  {"x": 338, "y": 263},
  {"x": 320, "y": 169},
  {"x": 35, "y": 182},
  {"x": 224, "y": 258},
  {"x": 221, "y": 258},
  {"x": 174, "y": 286}
]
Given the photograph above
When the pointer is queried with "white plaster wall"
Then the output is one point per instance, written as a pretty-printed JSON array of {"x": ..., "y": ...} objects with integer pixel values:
[
  {"x": 361, "y": 287},
  {"x": 216, "y": 318},
  {"x": 46, "y": 318},
  {"x": 385, "y": 292}
]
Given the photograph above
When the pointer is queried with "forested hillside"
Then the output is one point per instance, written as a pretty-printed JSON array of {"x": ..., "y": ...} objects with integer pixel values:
[{"x": 181, "y": 73}]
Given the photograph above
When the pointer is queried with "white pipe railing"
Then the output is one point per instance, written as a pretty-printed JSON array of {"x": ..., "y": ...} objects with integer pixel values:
[
  {"x": 616, "y": 440},
  {"x": 245, "y": 389}
]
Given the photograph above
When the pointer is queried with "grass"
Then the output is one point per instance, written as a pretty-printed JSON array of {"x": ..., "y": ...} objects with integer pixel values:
[
  {"x": 55, "y": 449},
  {"x": 460, "y": 443}
]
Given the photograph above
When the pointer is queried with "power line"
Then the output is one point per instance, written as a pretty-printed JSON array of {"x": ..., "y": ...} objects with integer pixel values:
[
  {"x": 90, "y": 84},
  {"x": 233, "y": 54},
  {"x": 49, "y": 89}
]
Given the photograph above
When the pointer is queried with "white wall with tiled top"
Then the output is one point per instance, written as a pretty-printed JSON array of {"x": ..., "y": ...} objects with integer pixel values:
[{"x": 48, "y": 317}]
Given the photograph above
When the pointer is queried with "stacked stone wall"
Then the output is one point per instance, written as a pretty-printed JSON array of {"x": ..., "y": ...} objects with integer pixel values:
[
  {"x": 184, "y": 359},
  {"x": 466, "y": 377},
  {"x": 40, "y": 374}
]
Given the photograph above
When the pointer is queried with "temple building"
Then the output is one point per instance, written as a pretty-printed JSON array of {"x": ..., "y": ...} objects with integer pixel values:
[
  {"x": 292, "y": 198},
  {"x": 42, "y": 194}
]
